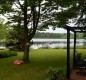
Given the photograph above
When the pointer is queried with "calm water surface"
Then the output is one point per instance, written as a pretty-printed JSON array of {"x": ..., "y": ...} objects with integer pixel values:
[{"x": 56, "y": 43}]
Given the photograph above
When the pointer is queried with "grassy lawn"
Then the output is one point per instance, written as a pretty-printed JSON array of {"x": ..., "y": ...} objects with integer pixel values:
[{"x": 40, "y": 61}]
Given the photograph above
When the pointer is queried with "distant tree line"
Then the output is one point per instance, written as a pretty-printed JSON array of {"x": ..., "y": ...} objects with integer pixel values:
[{"x": 56, "y": 35}]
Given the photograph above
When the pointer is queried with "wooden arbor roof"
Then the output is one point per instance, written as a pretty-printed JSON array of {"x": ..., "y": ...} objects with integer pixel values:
[{"x": 75, "y": 30}]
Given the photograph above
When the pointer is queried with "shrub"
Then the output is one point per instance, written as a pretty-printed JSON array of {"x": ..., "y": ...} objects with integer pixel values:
[
  {"x": 7, "y": 53},
  {"x": 55, "y": 74}
]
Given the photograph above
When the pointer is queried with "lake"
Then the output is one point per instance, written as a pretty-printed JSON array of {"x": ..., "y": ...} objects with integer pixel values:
[{"x": 55, "y": 43}]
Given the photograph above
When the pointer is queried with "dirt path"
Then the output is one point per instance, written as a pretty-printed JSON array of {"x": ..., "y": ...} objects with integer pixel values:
[{"x": 77, "y": 75}]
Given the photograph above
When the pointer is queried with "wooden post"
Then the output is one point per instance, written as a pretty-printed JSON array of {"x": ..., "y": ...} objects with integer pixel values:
[
  {"x": 68, "y": 54},
  {"x": 74, "y": 53}
]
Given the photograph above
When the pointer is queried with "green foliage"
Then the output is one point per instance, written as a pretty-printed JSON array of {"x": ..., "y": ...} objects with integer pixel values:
[
  {"x": 84, "y": 36},
  {"x": 7, "y": 53},
  {"x": 16, "y": 37},
  {"x": 4, "y": 30},
  {"x": 78, "y": 57},
  {"x": 55, "y": 74},
  {"x": 6, "y": 6}
]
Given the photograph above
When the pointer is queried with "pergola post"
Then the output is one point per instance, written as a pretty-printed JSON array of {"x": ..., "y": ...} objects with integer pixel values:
[
  {"x": 68, "y": 54},
  {"x": 74, "y": 53}
]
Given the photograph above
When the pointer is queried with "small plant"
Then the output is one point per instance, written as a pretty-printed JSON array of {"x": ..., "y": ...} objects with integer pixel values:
[
  {"x": 7, "y": 53},
  {"x": 78, "y": 56},
  {"x": 55, "y": 74}
]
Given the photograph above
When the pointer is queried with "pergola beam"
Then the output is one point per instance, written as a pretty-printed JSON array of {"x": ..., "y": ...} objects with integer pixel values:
[
  {"x": 76, "y": 29},
  {"x": 81, "y": 31}
]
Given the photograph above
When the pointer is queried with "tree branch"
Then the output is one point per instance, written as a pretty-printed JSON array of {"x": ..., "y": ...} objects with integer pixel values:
[
  {"x": 38, "y": 14},
  {"x": 16, "y": 5},
  {"x": 21, "y": 6}
]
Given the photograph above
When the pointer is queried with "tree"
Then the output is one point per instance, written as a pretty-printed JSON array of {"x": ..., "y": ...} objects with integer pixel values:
[
  {"x": 27, "y": 13},
  {"x": 33, "y": 15}
]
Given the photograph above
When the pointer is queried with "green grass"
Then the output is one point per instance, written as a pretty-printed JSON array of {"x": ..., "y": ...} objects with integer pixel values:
[{"x": 40, "y": 61}]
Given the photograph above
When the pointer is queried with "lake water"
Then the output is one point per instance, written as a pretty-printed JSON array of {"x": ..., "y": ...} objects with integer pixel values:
[{"x": 55, "y": 43}]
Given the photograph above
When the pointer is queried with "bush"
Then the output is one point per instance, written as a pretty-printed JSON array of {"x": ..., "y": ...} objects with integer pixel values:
[
  {"x": 55, "y": 74},
  {"x": 7, "y": 53}
]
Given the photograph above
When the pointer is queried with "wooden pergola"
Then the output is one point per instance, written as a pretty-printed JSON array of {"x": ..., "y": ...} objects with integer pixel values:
[{"x": 74, "y": 30}]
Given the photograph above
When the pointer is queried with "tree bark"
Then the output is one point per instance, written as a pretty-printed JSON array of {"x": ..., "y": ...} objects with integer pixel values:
[
  {"x": 26, "y": 53},
  {"x": 26, "y": 44},
  {"x": 27, "y": 36}
]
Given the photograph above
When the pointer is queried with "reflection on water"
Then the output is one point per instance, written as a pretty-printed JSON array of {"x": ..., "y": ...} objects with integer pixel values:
[{"x": 55, "y": 43}]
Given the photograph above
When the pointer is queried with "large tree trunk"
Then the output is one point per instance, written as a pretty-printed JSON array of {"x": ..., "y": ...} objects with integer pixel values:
[
  {"x": 35, "y": 24},
  {"x": 26, "y": 42},
  {"x": 26, "y": 53}
]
